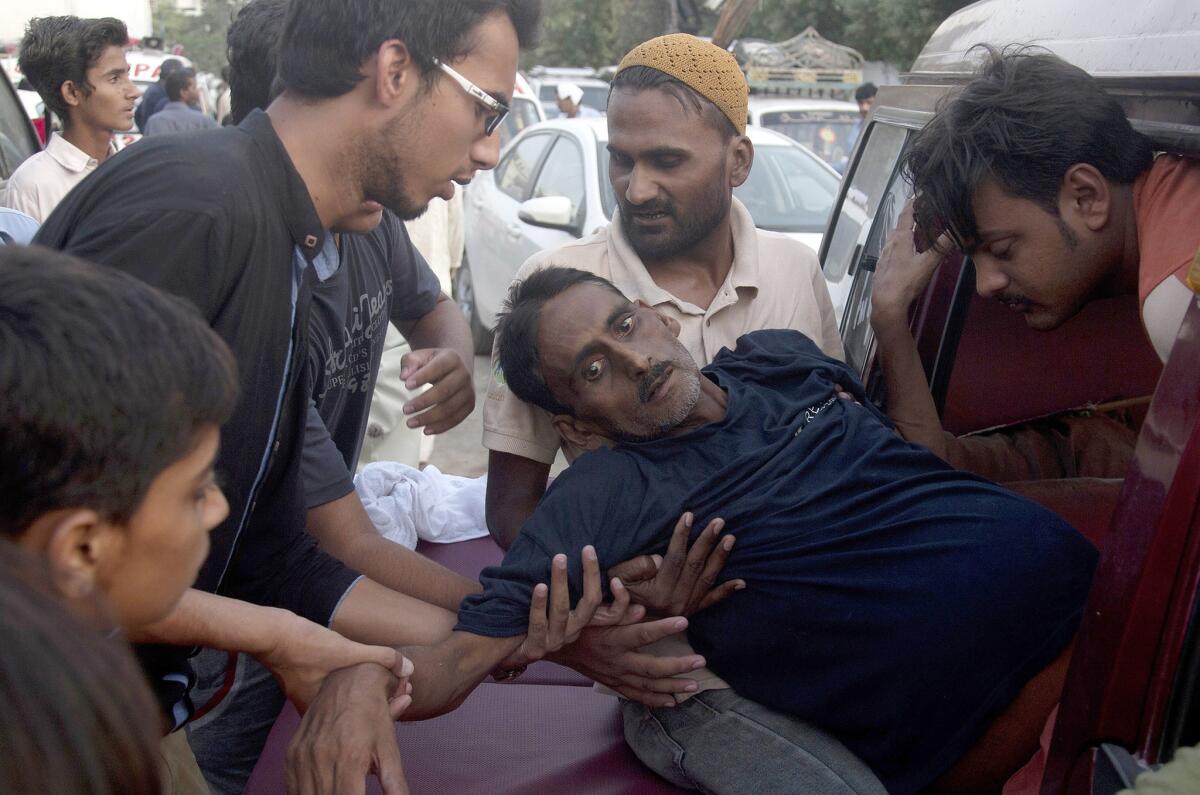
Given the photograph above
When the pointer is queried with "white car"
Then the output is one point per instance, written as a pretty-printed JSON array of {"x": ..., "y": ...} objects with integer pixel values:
[
  {"x": 551, "y": 187},
  {"x": 826, "y": 126},
  {"x": 524, "y": 111}
]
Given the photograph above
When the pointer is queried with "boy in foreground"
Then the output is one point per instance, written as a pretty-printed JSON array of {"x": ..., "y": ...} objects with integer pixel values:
[{"x": 111, "y": 397}]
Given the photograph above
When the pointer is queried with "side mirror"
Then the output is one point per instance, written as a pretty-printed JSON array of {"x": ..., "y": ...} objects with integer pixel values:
[{"x": 551, "y": 212}]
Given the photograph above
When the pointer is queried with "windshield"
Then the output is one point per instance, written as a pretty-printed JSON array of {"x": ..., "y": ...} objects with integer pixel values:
[
  {"x": 827, "y": 133},
  {"x": 788, "y": 189}
]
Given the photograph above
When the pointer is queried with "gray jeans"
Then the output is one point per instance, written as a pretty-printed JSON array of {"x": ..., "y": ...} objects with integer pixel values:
[
  {"x": 228, "y": 740},
  {"x": 718, "y": 742}
]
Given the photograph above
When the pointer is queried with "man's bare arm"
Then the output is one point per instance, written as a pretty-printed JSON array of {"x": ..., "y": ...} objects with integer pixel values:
[
  {"x": 371, "y": 613},
  {"x": 901, "y": 275},
  {"x": 515, "y": 484},
  {"x": 443, "y": 357},
  {"x": 442, "y": 327},
  {"x": 445, "y": 674},
  {"x": 345, "y": 531},
  {"x": 298, "y": 652}
]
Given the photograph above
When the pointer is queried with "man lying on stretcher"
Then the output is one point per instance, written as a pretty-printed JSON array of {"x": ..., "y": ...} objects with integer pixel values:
[{"x": 919, "y": 614}]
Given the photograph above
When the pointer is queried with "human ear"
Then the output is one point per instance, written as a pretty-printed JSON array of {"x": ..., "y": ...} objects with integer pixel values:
[
  {"x": 71, "y": 93},
  {"x": 77, "y": 543},
  {"x": 577, "y": 432},
  {"x": 395, "y": 71},
  {"x": 739, "y": 160},
  {"x": 1086, "y": 195}
]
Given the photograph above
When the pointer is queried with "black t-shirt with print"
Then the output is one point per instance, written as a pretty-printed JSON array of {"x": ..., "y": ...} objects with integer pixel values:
[{"x": 382, "y": 278}]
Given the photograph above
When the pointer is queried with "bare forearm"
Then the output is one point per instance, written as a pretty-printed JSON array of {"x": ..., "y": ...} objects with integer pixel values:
[
  {"x": 344, "y": 529},
  {"x": 371, "y": 613},
  {"x": 446, "y": 673},
  {"x": 515, "y": 485},
  {"x": 909, "y": 402},
  {"x": 217, "y": 622},
  {"x": 442, "y": 327},
  {"x": 399, "y": 568}
]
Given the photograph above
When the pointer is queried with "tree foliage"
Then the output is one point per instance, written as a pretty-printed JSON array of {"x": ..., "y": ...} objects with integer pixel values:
[
  {"x": 599, "y": 32},
  {"x": 202, "y": 36}
]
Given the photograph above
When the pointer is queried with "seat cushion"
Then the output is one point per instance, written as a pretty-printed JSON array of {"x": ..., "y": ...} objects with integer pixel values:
[{"x": 506, "y": 738}]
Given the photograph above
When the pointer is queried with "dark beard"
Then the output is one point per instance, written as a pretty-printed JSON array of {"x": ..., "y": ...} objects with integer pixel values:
[
  {"x": 688, "y": 232},
  {"x": 381, "y": 173}
]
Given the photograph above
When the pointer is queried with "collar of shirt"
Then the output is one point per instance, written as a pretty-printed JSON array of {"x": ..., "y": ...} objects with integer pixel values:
[
  {"x": 70, "y": 156},
  {"x": 300, "y": 215},
  {"x": 177, "y": 106},
  {"x": 630, "y": 276}
]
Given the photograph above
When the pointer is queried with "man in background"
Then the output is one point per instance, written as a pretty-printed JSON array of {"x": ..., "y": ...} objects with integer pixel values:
[
  {"x": 156, "y": 95},
  {"x": 864, "y": 95},
  {"x": 570, "y": 102},
  {"x": 79, "y": 70},
  {"x": 179, "y": 114}
]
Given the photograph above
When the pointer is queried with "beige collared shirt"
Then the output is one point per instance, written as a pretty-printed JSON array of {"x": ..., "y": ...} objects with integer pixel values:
[
  {"x": 775, "y": 282},
  {"x": 41, "y": 182}
]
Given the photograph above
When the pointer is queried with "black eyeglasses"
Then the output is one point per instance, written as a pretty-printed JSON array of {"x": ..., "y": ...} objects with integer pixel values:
[{"x": 499, "y": 109}]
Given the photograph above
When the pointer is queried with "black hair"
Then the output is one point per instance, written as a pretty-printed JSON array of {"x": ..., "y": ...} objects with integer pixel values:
[
  {"x": 640, "y": 78},
  {"x": 1025, "y": 118},
  {"x": 517, "y": 331},
  {"x": 168, "y": 67},
  {"x": 252, "y": 45},
  {"x": 865, "y": 91},
  {"x": 78, "y": 715},
  {"x": 55, "y": 50},
  {"x": 104, "y": 383},
  {"x": 326, "y": 42},
  {"x": 177, "y": 81}
]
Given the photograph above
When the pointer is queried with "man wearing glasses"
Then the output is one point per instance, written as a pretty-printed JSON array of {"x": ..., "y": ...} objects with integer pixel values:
[{"x": 384, "y": 105}]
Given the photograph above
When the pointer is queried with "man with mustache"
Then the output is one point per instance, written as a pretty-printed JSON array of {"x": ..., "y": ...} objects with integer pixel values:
[
  {"x": 680, "y": 242},
  {"x": 1034, "y": 171},
  {"x": 683, "y": 244},
  {"x": 921, "y": 615}
]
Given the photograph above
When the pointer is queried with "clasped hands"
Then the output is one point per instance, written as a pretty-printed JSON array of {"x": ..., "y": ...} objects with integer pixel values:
[{"x": 604, "y": 641}]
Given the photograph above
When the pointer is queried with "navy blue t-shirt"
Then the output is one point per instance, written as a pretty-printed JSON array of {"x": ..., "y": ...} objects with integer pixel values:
[{"x": 892, "y": 600}]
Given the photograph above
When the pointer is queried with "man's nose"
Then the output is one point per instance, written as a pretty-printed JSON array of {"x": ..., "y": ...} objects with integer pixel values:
[
  {"x": 641, "y": 187},
  {"x": 990, "y": 281},
  {"x": 486, "y": 151},
  {"x": 632, "y": 360}
]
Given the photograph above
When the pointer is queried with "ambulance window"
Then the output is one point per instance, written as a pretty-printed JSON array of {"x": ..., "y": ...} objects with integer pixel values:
[
  {"x": 858, "y": 338},
  {"x": 872, "y": 173}
]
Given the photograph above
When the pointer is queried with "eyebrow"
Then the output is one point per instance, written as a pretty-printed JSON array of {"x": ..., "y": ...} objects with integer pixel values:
[
  {"x": 589, "y": 348},
  {"x": 661, "y": 151}
]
